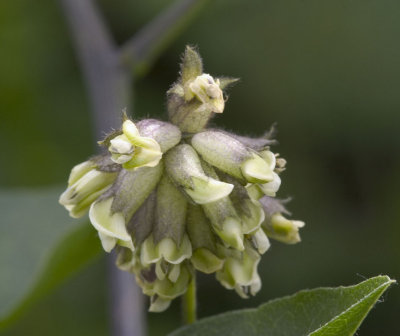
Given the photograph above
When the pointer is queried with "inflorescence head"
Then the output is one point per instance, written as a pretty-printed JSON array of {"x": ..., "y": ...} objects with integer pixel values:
[{"x": 175, "y": 197}]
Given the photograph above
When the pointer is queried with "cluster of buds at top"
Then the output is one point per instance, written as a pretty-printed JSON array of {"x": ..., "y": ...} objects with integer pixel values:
[{"x": 175, "y": 197}]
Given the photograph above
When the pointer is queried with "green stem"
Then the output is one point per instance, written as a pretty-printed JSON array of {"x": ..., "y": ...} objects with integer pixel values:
[
  {"x": 142, "y": 49},
  {"x": 190, "y": 302}
]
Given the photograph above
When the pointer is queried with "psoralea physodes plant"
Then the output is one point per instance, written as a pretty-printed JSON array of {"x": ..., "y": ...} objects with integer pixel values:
[{"x": 175, "y": 197}]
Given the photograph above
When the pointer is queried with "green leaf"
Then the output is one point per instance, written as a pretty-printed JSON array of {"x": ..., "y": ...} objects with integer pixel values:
[
  {"x": 40, "y": 246},
  {"x": 322, "y": 311}
]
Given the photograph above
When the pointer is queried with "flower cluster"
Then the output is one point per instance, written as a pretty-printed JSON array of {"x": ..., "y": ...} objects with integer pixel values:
[{"x": 175, "y": 197}]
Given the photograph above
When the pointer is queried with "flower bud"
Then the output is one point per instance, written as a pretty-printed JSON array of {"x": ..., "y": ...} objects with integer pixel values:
[
  {"x": 184, "y": 167},
  {"x": 249, "y": 210},
  {"x": 283, "y": 229},
  {"x": 165, "y": 289},
  {"x": 271, "y": 188},
  {"x": 240, "y": 272},
  {"x": 223, "y": 216},
  {"x": 133, "y": 150},
  {"x": 207, "y": 91},
  {"x": 169, "y": 240},
  {"x": 232, "y": 157},
  {"x": 225, "y": 221},
  {"x": 254, "y": 191},
  {"x": 280, "y": 164},
  {"x": 79, "y": 171},
  {"x": 110, "y": 226},
  {"x": 158, "y": 304},
  {"x": 127, "y": 259},
  {"x": 260, "y": 241},
  {"x": 195, "y": 97},
  {"x": 85, "y": 184},
  {"x": 114, "y": 209},
  {"x": 167, "y": 270},
  {"x": 278, "y": 227},
  {"x": 141, "y": 224},
  {"x": 205, "y": 256}
]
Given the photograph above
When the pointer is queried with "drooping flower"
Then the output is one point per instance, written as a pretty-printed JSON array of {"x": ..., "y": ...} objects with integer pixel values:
[{"x": 175, "y": 197}]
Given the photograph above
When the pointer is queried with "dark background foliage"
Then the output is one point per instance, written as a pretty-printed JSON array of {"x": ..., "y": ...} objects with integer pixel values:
[{"x": 328, "y": 72}]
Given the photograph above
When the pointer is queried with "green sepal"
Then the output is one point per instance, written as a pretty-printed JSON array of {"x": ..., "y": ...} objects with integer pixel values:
[
  {"x": 227, "y": 82},
  {"x": 191, "y": 66},
  {"x": 171, "y": 206},
  {"x": 132, "y": 188},
  {"x": 141, "y": 224},
  {"x": 205, "y": 256}
]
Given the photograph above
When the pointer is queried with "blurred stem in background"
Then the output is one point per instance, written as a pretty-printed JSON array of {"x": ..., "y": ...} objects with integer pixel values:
[{"x": 108, "y": 74}]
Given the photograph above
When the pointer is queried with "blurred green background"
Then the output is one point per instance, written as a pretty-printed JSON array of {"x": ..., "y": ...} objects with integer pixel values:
[{"x": 328, "y": 72}]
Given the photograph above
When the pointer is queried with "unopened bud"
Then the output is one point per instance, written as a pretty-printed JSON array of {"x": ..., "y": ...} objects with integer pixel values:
[
  {"x": 166, "y": 270},
  {"x": 208, "y": 92},
  {"x": 283, "y": 229},
  {"x": 255, "y": 170},
  {"x": 260, "y": 241},
  {"x": 85, "y": 185},
  {"x": 195, "y": 97},
  {"x": 240, "y": 272},
  {"x": 184, "y": 167},
  {"x": 226, "y": 222},
  {"x": 158, "y": 304},
  {"x": 205, "y": 256},
  {"x": 163, "y": 291},
  {"x": 280, "y": 164},
  {"x": 271, "y": 188},
  {"x": 232, "y": 157},
  {"x": 248, "y": 209},
  {"x": 127, "y": 259},
  {"x": 169, "y": 240}
]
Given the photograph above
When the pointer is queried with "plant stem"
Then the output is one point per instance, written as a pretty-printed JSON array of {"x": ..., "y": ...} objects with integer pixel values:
[
  {"x": 109, "y": 87},
  {"x": 189, "y": 303},
  {"x": 108, "y": 84},
  {"x": 140, "y": 51}
]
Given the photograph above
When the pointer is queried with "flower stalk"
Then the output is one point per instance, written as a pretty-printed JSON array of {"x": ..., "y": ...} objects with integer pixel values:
[{"x": 189, "y": 302}]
